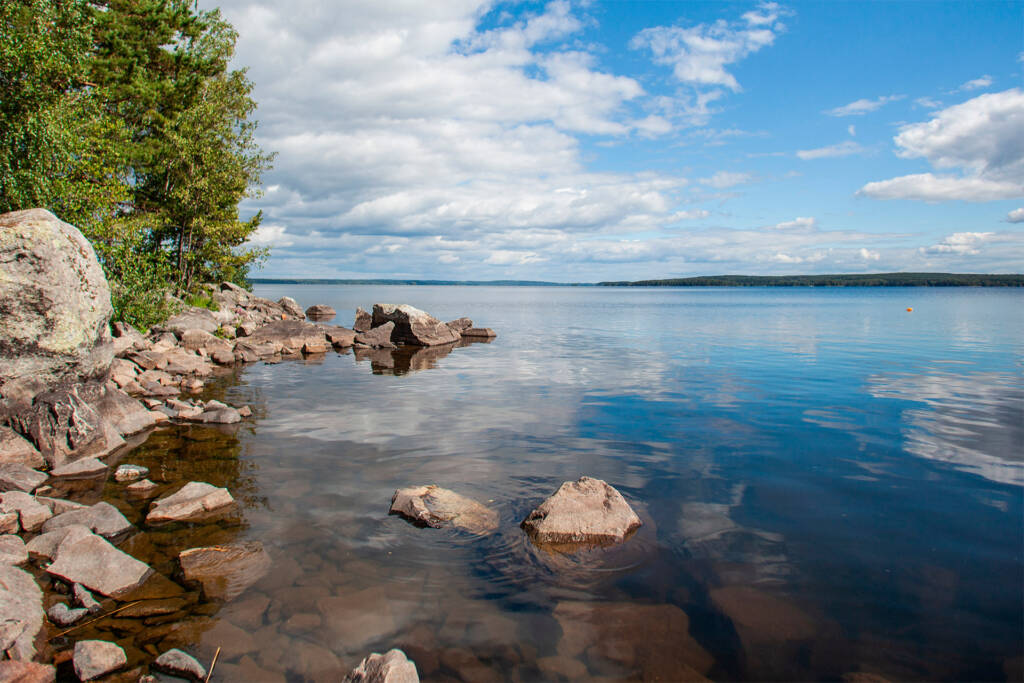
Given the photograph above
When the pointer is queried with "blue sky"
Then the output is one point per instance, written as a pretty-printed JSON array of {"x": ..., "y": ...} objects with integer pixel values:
[{"x": 626, "y": 140}]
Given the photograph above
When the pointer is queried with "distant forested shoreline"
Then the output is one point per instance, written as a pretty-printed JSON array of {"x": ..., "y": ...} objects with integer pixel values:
[{"x": 851, "y": 280}]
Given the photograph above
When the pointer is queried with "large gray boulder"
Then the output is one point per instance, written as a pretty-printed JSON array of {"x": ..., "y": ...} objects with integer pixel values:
[
  {"x": 54, "y": 306},
  {"x": 21, "y": 613},
  {"x": 413, "y": 326},
  {"x": 436, "y": 507},
  {"x": 587, "y": 511},
  {"x": 391, "y": 667}
]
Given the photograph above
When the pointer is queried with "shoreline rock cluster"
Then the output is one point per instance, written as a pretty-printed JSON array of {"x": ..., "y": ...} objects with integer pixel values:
[{"x": 73, "y": 386}]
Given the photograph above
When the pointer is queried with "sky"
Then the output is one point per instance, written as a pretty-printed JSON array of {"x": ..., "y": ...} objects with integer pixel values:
[{"x": 586, "y": 141}]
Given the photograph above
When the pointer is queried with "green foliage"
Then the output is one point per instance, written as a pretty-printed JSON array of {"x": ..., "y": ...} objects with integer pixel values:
[
  {"x": 122, "y": 117},
  {"x": 202, "y": 300}
]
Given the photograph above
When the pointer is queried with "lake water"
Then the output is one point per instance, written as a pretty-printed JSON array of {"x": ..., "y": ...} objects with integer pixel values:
[{"x": 831, "y": 486}]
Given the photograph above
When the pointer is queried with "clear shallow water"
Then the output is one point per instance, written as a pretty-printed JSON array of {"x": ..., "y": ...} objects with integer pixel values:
[{"x": 828, "y": 483}]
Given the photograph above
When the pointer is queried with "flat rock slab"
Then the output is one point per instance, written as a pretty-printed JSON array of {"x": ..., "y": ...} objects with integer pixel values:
[
  {"x": 19, "y": 477},
  {"x": 45, "y": 544},
  {"x": 95, "y": 658},
  {"x": 12, "y": 550},
  {"x": 436, "y": 507},
  {"x": 31, "y": 513},
  {"x": 27, "y": 672},
  {"x": 86, "y": 468},
  {"x": 21, "y": 613},
  {"x": 391, "y": 667},
  {"x": 16, "y": 449},
  {"x": 479, "y": 333},
  {"x": 584, "y": 512},
  {"x": 178, "y": 663},
  {"x": 196, "y": 501},
  {"x": 225, "y": 571},
  {"x": 96, "y": 564},
  {"x": 102, "y": 518}
]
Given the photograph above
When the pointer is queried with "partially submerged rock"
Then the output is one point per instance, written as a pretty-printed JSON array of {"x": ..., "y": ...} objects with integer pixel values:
[
  {"x": 320, "y": 312},
  {"x": 391, "y": 667},
  {"x": 19, "y": 477},
  {"x": 436, "y": 507},
  {"x": 85, "y": 599},
  {"x": 178, "y": 663},
  {"x": 196, "y": 501},
  {"x": 413, "y": 326},
  {"x": 225, "y": 571},
  {"x": 479, "y": 333},
  {"x": 127, "y": 472},
  {"x": 96, "y": 564},
  {"x": 21, "y": 613},
  {"x": 95, "y": 658},
  {"x": 86, "y": 468},
  {"x": 378, "y": 337},
  {"x": 62, "y": 615},
  {"x": 587, "y": 511}
]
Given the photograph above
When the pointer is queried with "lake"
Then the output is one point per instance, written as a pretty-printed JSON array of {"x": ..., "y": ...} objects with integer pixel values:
[{"x": 831, "y": 487}]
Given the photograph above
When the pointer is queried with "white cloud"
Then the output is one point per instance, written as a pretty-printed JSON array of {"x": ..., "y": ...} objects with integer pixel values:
[
  {"x": 928, "y": 102},
  {"x": 984, "y": 137},
  {"x": 868, "y": 254},
  {"x": 1015, "y": 216},
  {"x": 800, "y": 224},
  {"x": 975, "y": 84},
  {"x": 852, "y": 130},
  {"x": 270, "y": 236},
  {"x": 726, "y": 179},
  {"x": 700, "y": 54},
  {"x": 842, "y": 149},
  {"x": 960, "y": 243},
  {"x": 861, "y": 107},
  {"x": 690, "y": 215}
]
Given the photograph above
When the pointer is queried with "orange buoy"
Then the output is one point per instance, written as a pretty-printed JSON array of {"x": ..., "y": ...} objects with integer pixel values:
[{"x": 910, "y": 310}]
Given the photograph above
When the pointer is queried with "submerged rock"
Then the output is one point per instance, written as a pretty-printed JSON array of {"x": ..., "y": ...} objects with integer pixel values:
[
  {"x": 587, "y": 511},
  {"x": 95, "y": 658},
  {"x": 21, "y": 613},
  {"x": 96, "y": 564},
  {"x": 436, "y": 507},
  {"x": 225, "y": 571},
  {"x": 413, "y": 326},
  {"x": 196, "y": 501},
  {"x": 178, "y": 663},
  {"x": 391, "y": 667}
]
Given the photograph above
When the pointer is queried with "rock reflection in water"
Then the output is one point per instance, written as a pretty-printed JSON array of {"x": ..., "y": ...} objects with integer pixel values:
[{"x": 408, "y": 358}]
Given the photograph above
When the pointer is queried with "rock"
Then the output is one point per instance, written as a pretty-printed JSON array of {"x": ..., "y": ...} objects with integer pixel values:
[
  {"x": 298, "y": 624},
  {"x": 413, "y": 326},
  {"x": 101, "y": 518},
  {"x": 196, "y": 501},
  {"x": 460, "y": 325},
  {"x": 130, "y": 472},
  {"x": 378, "y": 337},
  {"x": 86, "y": 468},
  {"x": 291, "y": 307},
  {"x": 96, "y": 564},
  {"x": 85, "y": 599},
  {"x": 364, "y": 321},
  {"x": 56, "y": 306},
  {"x": 121, "y": 410},
  {"x": 245, "y": 411},
  {"x": 45, "y": 544},
  {"x": 479, "y": 333},
  {"x": 182, "y": 362},
  {"x": 18, "y": 477},
  {"x": 31, "y": 513},
  {"x": 142, "y": 488},
  {"x": 27, "y": 672},
  {"x": 436, "y": 507},
  {"x": 225, "y": 571},
  {"x": 760, "y": 617},
  {"x": 178, "y": 663},
  {"x": 291, "y": 335},
  {"x": 15, "y": 450},
  {"x": 12, "y": 550},
  {"x": 226, "y": 415},
  {"x": 340, "y": 337},
  {"x": 194, "y": 318},
  {"x": 358, "y": 619},
  {"x": 126, "y": 338},
  {"x": 193, "y": 340},
  {"x": 390, "y": 667},
  {"x": 9, "y": 523},
  {"x": 57, "y": 505},
  {"x": 64, "y": 424},
  {"x": 320, "y": 312},
  {"x": 95, "y": 658},
  {"x": 587, "y": 511},
  {"x": 653, "y": 640},
  {"x": 21, "y": 613},
  {"x": 246, "y": 328},
  {"x": 62, "y": 615}
]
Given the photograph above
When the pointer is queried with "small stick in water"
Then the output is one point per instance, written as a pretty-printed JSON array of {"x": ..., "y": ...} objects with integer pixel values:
[
  {"x": 212, "y": 664},
  {"x": 93, "y": 621}
]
